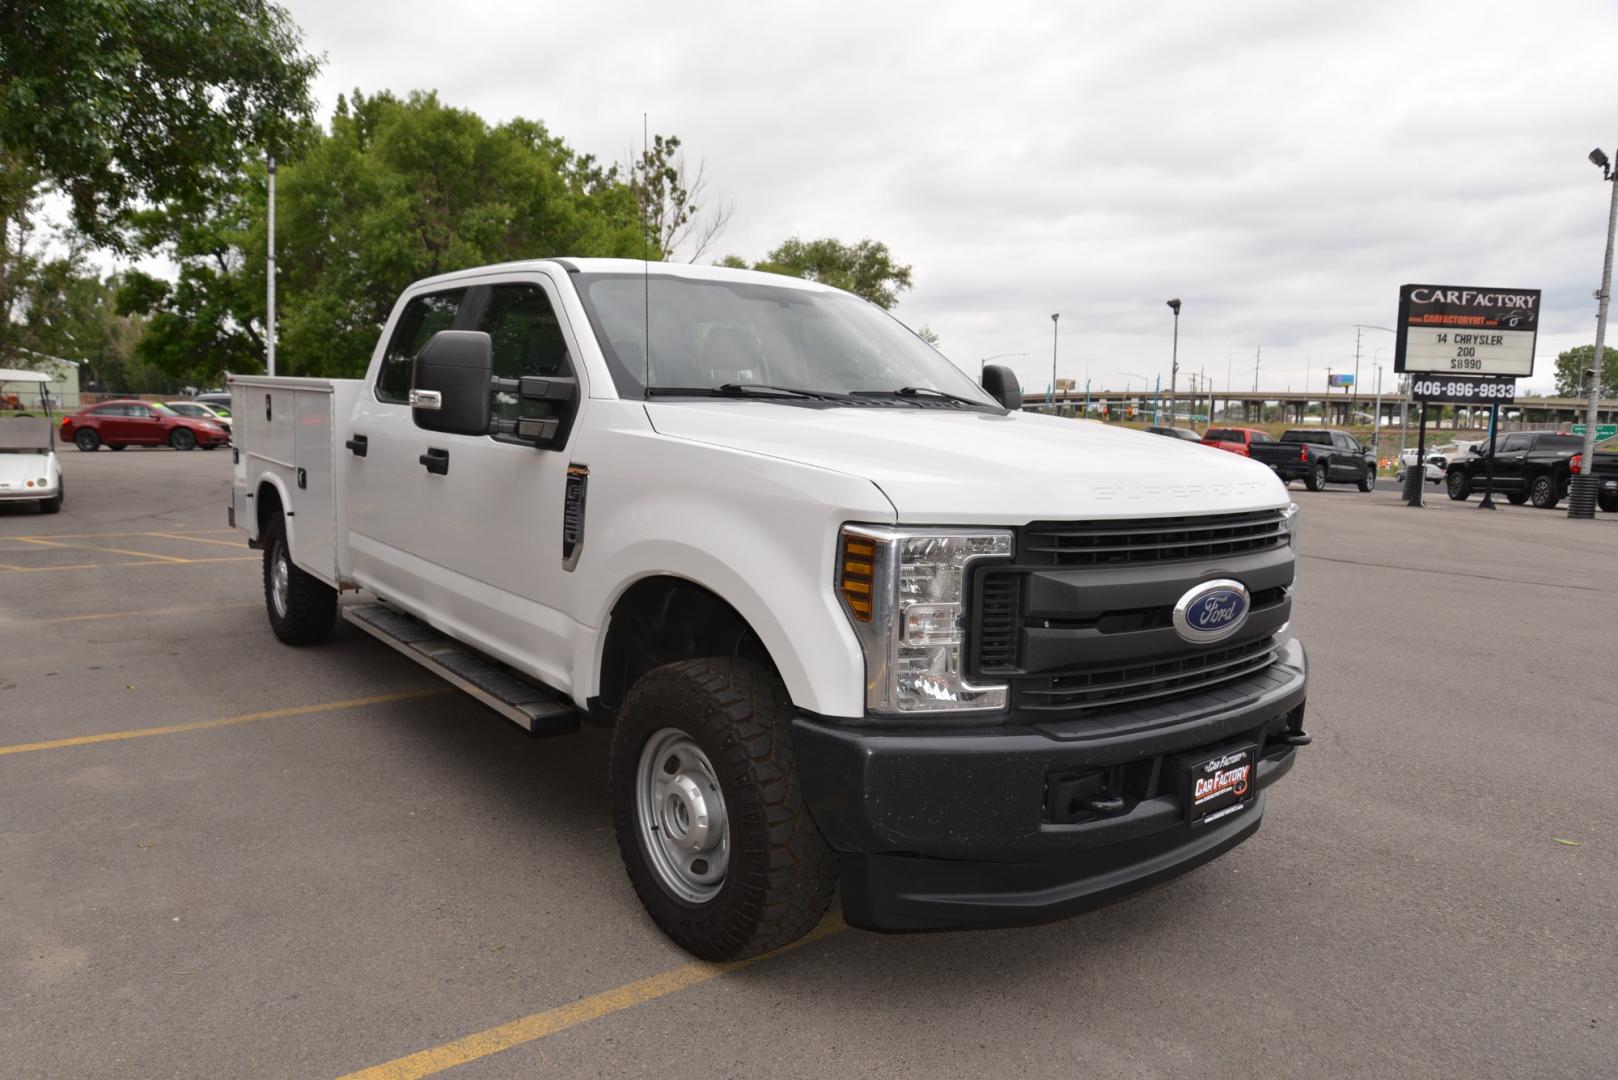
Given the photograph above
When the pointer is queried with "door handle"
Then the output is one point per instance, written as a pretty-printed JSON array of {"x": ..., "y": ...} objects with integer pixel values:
[
  {"x": 358, "y": 445},
  {"x": 435, "y": 460}
]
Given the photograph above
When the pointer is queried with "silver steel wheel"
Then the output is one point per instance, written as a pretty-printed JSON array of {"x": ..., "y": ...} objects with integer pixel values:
[
  {"x": 280, "y": 580},
  {"x": 681, "y": 814}
]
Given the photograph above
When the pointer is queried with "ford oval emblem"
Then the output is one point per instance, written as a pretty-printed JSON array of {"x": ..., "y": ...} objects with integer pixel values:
[{"x": 1211, "y": 612}]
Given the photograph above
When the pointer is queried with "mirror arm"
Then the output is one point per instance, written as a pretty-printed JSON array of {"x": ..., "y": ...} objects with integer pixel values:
[{"x": 536, "y": 388}]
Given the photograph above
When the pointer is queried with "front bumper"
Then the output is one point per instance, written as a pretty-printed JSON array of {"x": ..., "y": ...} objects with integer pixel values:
[{"x": 951, "y": 828}]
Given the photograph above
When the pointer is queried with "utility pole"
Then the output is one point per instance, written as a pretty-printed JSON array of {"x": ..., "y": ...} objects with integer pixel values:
[
  {"x": 1582, "y": 504},
  {"x": 1174, "y": 364},
  {"x": 1257, "y": 357},
  {"x": 269, "y": 279},
  {"x": 1357, "y": 332},
  {"x": 1053, "y": 360}
]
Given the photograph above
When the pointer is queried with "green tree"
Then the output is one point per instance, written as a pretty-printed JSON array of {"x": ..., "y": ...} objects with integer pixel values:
[
  {"x": 866, "y": 268},
  {"x": 117, "y": 102},
  {"x": 1572, "y": 364},
  {"x": 673, "y": 200},
  {"x": 396, "y": 190}
]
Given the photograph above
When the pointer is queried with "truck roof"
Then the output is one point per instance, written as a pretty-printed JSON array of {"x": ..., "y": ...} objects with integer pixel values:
[{"x": 687, "y": 271}]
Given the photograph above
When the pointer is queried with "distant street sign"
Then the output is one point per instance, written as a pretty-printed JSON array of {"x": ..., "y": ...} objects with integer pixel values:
[
  {"x": 1456, "y": 330},
  {"x": 1603, "y": 431},
  {"x": 1460, "y": 390}
]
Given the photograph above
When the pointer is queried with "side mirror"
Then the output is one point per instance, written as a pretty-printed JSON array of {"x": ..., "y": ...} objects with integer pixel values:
[
  {"x": 450, "y": 383},
  {"x": 1477, "y": 448},
  {"x": 1001, "y": 384}
]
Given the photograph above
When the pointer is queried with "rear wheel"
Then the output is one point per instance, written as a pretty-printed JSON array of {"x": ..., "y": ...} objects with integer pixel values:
[
  {"x": 183, "y": 439},
  {"x": 1368, "y": 481},
  {"x": 86, "y": 439},
  {"x": 1543, "y": 493},
  {"x": 1316, "y": 480},
  {"x": 710, "y": 821},
  {"x": 1608, "y": 502},
  {"x": 1458, "y": 486},
  {"x": 302, "y": 608}
]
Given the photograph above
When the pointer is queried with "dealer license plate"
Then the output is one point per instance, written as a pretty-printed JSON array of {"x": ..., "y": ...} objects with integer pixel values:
[{"x": 1221, "y": 786}]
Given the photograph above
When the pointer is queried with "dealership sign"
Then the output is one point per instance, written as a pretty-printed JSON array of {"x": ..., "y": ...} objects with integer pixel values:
[{"x": 1456, "y": 330}]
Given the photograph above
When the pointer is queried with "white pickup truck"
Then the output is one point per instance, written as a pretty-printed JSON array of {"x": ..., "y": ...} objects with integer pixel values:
[{"x": 851, "y": 617}]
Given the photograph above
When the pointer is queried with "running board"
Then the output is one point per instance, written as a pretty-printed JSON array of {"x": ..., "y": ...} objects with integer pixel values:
[{"x": 536, "y": 709}]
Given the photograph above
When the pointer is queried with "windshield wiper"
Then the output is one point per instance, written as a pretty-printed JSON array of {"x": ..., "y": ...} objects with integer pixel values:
[
  {"x": 925, "y": 393},
  {"x": 761, "y": 390}
]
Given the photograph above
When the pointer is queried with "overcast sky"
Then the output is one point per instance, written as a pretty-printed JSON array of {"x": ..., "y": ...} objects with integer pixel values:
[{"x": 1282, "y": 167}]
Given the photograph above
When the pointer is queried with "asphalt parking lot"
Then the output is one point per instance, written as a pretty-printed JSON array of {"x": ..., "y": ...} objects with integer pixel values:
[{"x": 221, "y": 857}]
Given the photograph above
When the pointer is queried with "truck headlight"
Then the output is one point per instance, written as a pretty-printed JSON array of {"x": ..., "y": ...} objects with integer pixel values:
[
  {"x": 1290, "y": 524},
  {"x": 904, "y": 592}
]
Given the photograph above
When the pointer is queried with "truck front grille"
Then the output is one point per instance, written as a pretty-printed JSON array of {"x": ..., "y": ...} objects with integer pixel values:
[
  {"x": 1115, "y": 686},
  {"x": 1080, "y": 621},
  {"x": 1152, "y": 540}
]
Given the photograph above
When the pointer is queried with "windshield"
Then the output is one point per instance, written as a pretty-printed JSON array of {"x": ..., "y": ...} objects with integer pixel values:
[{"x": 709, "y": 334}]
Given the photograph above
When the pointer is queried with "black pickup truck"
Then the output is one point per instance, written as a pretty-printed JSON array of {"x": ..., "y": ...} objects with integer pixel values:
[
  {"x": 1606, "y": 470},
  {"x": 1529, "y": 467},
  {"x": 1318, "y": 456}
]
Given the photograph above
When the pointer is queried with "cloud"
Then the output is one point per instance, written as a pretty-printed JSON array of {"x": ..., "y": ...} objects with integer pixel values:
[{"x": 1281, "y": 167}]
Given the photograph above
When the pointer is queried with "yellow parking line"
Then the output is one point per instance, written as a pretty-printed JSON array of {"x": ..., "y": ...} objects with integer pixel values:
[
  {"x": 36, "y": 541},
  {"x": 504, "y": 1036},
  {"x": 104, "y": 535},
  {"x": 203, "y": 725},
  {"x": 127, "y": 614},
  {"x": 149, "y": 562},
  {"x": 199, "y": 539}
]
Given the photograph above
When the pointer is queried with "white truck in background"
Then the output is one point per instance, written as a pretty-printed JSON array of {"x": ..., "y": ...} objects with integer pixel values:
[{"x": 851, "y": 617}]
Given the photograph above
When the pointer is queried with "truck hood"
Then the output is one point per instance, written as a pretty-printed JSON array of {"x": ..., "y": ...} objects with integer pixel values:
[{"x": 940, "y": 465}]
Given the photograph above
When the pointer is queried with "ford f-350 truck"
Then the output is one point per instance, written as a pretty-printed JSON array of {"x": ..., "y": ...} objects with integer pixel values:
[{"x": 852, "y": 618}]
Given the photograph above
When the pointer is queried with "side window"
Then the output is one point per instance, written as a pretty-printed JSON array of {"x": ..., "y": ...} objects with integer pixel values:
[
  {"x": 1513, "y": 444},
  {"x": 527, "y": 340},
  {"x": 139, "y": 412},
  {"x": 109, "y": 410},
  {"x": 1262, "y": 437},
  {"x": 423, "y": 317}
]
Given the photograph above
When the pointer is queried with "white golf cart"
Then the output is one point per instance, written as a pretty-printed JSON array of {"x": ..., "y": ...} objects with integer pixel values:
[{"x": 28, "y": 466}]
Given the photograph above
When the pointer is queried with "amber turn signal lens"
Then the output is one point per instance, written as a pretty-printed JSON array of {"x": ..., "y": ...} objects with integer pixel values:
[{"x": 856, "y": 570}]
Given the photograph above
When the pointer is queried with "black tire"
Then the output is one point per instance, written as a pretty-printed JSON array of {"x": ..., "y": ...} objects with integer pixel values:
[
  {"x": 1516, "y": 498},
  {"x": 86, "y": 439},
  {"x": 1543, "y": 494},
  {"x": 1458, "y": 486},
  {"x": 53, "y": 505},
  {"x": 310, "y": 604},
  {"x": 1608, "y": 503},
  {"x": 781, "y": 874},
  {"x": 1368, "y": 481},
  {"x": 1316, "y": 480},
  {"x": 183, "y": 439}
]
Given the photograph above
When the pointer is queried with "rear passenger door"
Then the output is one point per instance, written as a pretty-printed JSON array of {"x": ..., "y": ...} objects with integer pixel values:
[{"x": 1509, "y": 460}]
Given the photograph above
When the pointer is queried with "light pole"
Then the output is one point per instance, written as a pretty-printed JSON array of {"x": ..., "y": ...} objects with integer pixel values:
[
  {"x": 984, "y": 363},
  {"x": 1582, "y": 500},
  {"x": 269, "y": 277},
  {"x": 1174, "y": 363},
  {"x": 1054, "y": 324}
]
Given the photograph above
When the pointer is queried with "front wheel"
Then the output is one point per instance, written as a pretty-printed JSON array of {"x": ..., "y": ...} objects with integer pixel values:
[
  {"x": 1368, "y": 481},
  {"x": 86, "y": 439},
  {"x": 1316, "y": 480},
  {"x": 1608, "y": 502},
  {"x": 1543, "y": 494},
  {"x": 302, "y": 608},
  {"x": 1458, "y": 486},
  {"x": 183, "y": 439},
  {"x": 709, "y": 817}
]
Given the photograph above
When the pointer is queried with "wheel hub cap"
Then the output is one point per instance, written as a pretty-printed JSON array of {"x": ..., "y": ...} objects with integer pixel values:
[
  {"x": 680, "y": 812},
  {"x": 280, "y": 582}
]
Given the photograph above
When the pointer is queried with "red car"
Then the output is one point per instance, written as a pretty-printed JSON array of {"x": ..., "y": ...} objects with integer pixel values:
[
  {"x": 1235, "y": 439},
  {"x": 139, "y": 423}
]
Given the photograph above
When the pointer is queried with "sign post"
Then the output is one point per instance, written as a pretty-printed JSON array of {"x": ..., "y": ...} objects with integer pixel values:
[{"x": 1479, "y": 340}]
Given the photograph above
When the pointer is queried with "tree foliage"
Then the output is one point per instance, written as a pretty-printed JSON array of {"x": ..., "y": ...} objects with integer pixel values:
[
  {"x": 397, "y": 190},
  {"x": 1572, "y": 364},
  {"x": 866, "y": 268},
  {"x": 116, "y": 102}
]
